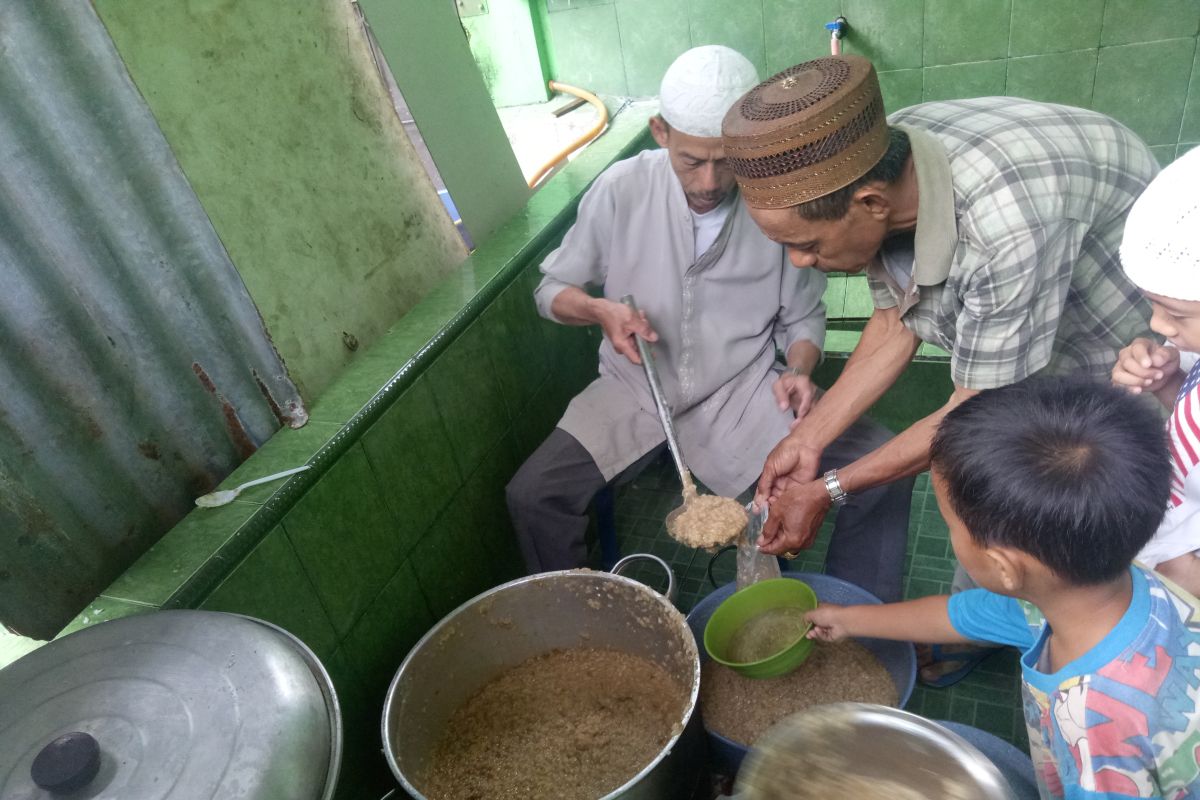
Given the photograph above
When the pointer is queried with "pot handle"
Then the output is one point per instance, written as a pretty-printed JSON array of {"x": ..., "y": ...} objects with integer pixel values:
[{"x": 672, "y": 589}]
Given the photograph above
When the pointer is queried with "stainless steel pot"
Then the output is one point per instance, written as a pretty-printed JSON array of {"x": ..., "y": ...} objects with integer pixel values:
[
  {"x": 874, "y": 744},
  {"x": 527, "y": 617}
]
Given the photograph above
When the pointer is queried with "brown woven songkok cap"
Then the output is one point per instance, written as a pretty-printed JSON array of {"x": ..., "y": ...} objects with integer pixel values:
[{"x": 806, "y": 132}]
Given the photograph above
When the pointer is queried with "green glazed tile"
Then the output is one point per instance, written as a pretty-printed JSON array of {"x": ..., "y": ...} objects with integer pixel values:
[
  {"x": 413, "y": 461},
  {"x": 1164, "y": 153},
  {"x": 388, "y": 629},
  {"x": 516, "y": 346},
  {"x": 653, "y": 34},
  {"x": 489, "y": 510},
  {"x": 901, "y": 88},
  {"x": 1183, "y": 148},
  {"x": 956, "y": 31},
  {"x": 887, "y": 32},
  {"x": 346, "y": 538},
  {"x": 288, "y": 448},
  {"x": 1054, "y": 26},
  {"x": 1129, "y": 21},
  {"x": 103, "y": 609},
  {"x": 1190, "y": 131},
  {"x": 858, "y": 298},
  {"x": 961, "y": 81},
  {"x": 271, "y": 585},
  {"x": 794, "y": 31},
  {"x": 993, "y": 718},
  {"x": 712, "y": 23},
  {"x": 450, "y": 562},
  {"x": 354, "y": 387},
  {"x": 835, "y": 299},
  {"x": 931, "y": 546},
  {"x": 961, "y": 709},
  {"x": 920, "y": 587},
  {"x": 468, "y": 396},
  {"x": 539, "y": 416},
  {"x": 1145, "y": 86},
  {"x": 586, "y": 42},
  {"x": 1065, "y": 78},
  {"x": 176, "y": 557}
]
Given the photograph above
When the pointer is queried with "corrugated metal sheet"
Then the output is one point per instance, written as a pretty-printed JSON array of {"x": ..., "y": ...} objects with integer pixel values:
[{"x": 134, "y": 368}]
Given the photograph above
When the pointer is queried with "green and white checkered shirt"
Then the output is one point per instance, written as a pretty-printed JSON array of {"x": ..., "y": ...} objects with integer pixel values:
[{"x": 1013, "y": 267}]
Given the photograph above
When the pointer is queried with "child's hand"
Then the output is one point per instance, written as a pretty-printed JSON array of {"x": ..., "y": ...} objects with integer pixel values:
[
  {"x": 826, "y": 624},
  {"x": 1145, "y": 366}
]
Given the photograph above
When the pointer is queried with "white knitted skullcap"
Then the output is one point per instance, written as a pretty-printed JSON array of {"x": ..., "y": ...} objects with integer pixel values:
[
  {"x": 701, "y": 85},
  {"x": 1161, "y": 247}
]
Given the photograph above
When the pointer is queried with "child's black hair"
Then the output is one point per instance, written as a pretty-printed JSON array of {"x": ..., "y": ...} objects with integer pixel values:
[{"x": 1074, "y": 472}]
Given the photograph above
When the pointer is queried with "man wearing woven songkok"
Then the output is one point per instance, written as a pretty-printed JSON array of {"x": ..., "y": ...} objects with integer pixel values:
[
  {"x": 717, "y": 299},
  {"x": 988, "y": 227}
]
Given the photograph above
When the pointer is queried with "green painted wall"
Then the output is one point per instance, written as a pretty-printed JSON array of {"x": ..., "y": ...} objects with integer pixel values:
[
  {"x": 504, "y": 43},
  {"x": 1133, "y": 59},
  {"x": 426, "y": 48},
  {"x": 283, "y": 126}
]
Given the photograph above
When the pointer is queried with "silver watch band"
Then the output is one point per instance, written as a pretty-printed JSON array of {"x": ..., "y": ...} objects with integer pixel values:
[{"x": 832, "y": 485}]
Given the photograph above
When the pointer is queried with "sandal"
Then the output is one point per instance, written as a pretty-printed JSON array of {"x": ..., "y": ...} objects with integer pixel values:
[{"x": 967, "y": 657}]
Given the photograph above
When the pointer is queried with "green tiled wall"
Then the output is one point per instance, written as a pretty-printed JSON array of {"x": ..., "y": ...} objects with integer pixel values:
[{"x": 1132, "y": 59}]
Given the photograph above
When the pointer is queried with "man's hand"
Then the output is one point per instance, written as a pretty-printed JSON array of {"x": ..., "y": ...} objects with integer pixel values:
[
  {"x": 797, "y": 392},
  {"x": 621, "y": 324},
  {"x": 1145, "y": 366},
  {"x": 789, "y": 463},
  {"x": 826, "y": 622},
  {"x": 795, "y": 518}
]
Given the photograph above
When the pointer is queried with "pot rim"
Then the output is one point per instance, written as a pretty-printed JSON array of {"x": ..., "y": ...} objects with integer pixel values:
[{"x": 587, "y": 574}]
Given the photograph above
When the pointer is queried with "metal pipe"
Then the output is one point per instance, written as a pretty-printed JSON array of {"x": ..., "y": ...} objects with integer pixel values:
[{"x": 592, "y": 133}]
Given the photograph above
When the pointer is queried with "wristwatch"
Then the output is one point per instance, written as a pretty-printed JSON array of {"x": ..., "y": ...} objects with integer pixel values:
[
  {"x": 795, "y": 372},
  {"x": 836, "y": 493}
]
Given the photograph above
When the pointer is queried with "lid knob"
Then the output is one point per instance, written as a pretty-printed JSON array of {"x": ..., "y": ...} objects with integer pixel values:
[{"x": 66, "y": 764}]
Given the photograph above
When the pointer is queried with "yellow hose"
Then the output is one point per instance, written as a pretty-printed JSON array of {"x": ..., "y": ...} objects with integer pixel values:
[{"x": 595, "y": 130}]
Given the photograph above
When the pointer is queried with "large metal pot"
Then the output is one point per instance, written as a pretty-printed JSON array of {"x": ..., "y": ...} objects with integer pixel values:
[
  {"x": 170, "y": 705},
  {"x": 510, "y": 624}
]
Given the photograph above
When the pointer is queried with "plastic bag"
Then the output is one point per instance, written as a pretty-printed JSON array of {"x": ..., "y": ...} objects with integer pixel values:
[{"x": 752, "y": 565}]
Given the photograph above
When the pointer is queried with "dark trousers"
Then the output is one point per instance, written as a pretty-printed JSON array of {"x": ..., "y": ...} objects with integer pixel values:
[{"x": 549, "y": 496}]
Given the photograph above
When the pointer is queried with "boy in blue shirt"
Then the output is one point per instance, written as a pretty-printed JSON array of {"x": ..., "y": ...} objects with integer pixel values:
[{"x": 1050, "y": 487}]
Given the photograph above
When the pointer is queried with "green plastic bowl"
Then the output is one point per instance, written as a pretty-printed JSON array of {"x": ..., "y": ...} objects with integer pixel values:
[{"x": 745, "y": 604}]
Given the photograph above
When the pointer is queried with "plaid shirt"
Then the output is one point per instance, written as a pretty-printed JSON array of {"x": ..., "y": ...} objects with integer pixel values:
[{"x": 1013, "y": 267}]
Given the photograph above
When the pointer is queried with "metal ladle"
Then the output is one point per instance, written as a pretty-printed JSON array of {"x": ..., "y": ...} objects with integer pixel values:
[{"x": 685, "y": 476}]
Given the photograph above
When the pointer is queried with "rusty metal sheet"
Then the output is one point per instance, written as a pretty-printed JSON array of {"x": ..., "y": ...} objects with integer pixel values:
[{"x": 135, "y": 369}]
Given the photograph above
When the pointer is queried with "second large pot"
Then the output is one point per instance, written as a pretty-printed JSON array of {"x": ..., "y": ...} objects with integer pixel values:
[{"x": 512, "y": 623}]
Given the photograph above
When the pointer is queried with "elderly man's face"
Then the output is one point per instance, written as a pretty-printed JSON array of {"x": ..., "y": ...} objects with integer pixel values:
[
  {"x": 699, "y": 163},
  {"x": 848, "y": 244}
]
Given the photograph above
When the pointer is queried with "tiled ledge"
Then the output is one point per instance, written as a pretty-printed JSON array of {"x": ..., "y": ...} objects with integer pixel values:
[{"x": 193, "y": 558}]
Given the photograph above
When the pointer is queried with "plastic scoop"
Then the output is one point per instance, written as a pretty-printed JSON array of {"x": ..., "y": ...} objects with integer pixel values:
[
  {"x": 224, "y": 496},
  {"x": 702, "y": 520}
]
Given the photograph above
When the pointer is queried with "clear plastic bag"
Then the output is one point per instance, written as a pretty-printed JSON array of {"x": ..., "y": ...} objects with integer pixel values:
[{"x": 752, "y": 565}]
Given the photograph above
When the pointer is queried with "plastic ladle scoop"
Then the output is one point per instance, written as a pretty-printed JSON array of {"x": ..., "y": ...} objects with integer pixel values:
[{"x": 224, "y": 496}]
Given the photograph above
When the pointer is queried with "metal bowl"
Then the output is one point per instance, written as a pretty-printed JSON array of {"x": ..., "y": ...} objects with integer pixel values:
[{"x": 907, "y": 752}]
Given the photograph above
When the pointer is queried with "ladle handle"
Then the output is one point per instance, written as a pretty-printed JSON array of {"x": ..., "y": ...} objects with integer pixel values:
[
  {"x": 672, "y": 589},
  {"x": 660, "y": 402}
]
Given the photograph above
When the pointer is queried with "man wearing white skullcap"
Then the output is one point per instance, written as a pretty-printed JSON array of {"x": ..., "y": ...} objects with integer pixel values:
[
  {"x": 717, "y": 299},
  {"x": 1160, "y": 253}
]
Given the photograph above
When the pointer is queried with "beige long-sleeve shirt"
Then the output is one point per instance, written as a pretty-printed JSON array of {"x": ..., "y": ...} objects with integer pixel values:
[{"x": 720, "y": 315}]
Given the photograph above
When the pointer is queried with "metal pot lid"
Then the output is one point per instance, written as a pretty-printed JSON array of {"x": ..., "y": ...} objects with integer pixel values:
[{"x": 180, "y": 705}]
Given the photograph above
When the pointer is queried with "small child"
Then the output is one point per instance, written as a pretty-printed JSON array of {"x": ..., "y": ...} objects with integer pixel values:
[
  {"x": 1049, "y": 488},
  {"x": 1160, "y": 253}
]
